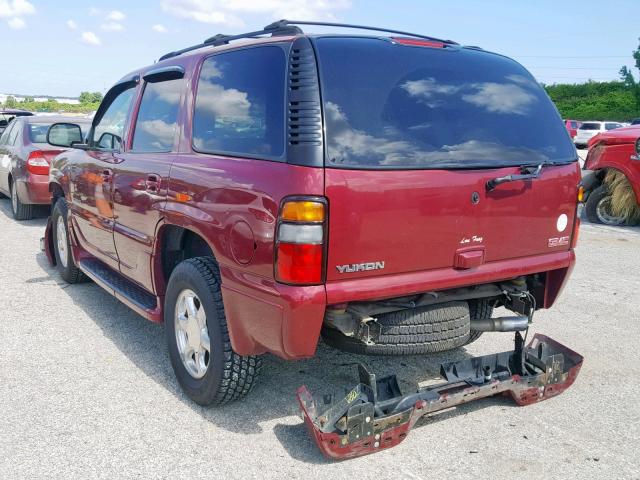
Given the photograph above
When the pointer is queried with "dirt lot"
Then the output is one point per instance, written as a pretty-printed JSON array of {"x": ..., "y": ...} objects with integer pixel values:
[{"x": 87, "y": 391}]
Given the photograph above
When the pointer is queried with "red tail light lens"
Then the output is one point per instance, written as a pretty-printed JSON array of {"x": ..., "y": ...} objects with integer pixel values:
[
  {"x": 300, "y": 241},
  {"x": 37, "y": 164},
  {"x": 300, "y": 263}
]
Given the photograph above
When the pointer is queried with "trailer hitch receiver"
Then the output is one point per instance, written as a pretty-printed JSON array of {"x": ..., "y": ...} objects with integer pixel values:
[{"x": 375, "y": 415}]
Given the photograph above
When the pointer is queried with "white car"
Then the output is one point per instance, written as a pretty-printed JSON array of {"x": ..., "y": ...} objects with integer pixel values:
[{"x": 590, "y": 129}]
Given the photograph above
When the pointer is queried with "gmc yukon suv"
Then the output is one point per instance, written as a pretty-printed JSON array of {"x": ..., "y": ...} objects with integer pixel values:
[{"x": 258, "y": 192}]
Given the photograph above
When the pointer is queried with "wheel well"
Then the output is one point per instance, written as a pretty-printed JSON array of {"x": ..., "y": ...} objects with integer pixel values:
[{"x": 178, "y": 244}]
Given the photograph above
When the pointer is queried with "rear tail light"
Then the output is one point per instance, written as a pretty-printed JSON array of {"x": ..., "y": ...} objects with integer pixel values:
[
  {"x": 301, "y": 241},
  {"x": 37, "y": 164}
]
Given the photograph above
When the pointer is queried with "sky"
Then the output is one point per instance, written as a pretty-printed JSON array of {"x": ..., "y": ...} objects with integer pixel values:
[{"x": 61, "y": 48}]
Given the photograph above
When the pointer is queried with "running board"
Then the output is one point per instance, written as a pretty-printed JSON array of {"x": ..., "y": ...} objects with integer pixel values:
[
  {"x": 375, "y": 415},
  {"x": 132, "y": 295}
]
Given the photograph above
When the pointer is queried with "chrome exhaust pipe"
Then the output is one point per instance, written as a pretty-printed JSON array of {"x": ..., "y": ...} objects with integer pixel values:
[{"x": 502, "y": 324}]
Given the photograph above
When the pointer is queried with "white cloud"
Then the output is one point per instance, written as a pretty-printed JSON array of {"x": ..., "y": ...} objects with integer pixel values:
[
  {"x": 501, "y": 98},
  {"x": 94, "y": 12},
  {"x": 112, "y": 27},
  {"x": 90, "y": 38},
  {"x": 72, "y": 25},
  {"x": 15, "y": 8},
  {"x": 16, "y": 23},
  {"x": 116, "y": 16},
  {"x": 226, "y": 12},
  {"x": 159, "y": 28}
]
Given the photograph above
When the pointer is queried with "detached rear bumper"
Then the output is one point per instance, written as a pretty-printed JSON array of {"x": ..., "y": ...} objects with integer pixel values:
[{"x": 375, "y": 415}]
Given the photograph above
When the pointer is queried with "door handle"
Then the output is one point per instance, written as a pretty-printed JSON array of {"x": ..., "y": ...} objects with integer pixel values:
[
  {"x": 106, "y": 175},
  {"x": 152, "y": 184}
]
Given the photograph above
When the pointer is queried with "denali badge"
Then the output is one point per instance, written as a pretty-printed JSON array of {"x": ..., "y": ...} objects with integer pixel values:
[{"x": 360, "y": 267}]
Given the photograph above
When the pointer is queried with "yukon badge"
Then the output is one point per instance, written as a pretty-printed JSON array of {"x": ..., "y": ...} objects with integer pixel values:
[{"x": 360, "y": 267}]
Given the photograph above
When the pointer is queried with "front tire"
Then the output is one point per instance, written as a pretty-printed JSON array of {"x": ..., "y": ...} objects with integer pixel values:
[
  {"x": 62, "y": 245},
  {"x": 597, "y": 208},
  {"x": 21, "y": 211},
  {"x": 207, "y": 368}
]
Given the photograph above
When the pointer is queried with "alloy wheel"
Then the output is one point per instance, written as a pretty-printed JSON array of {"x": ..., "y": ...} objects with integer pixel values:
[
  {"x": 192, "y": 334},
  {"x": 603, "y": 211}
]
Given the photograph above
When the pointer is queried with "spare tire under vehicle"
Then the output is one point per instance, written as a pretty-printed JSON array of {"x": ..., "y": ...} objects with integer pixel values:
[{"x": 430, "y": 329}]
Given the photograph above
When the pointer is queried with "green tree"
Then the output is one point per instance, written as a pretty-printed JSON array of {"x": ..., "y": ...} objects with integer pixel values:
[
  {"x": 90, "y": 97},
  {"x": 10, "y": 102},
  {"x": 29, "y": 100},
  {"x": 627, "y": 77}
]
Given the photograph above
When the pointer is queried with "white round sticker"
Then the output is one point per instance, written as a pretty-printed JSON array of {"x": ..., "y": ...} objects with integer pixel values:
[{"x": 561, "y": 224}]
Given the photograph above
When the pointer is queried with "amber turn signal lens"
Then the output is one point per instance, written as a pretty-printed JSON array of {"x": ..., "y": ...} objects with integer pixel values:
[
  {"x": 305, "y": 211},
  {"x": 581, "y": 193}
]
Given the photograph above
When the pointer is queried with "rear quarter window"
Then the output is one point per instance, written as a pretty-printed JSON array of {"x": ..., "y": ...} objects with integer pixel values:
[
  {"x": 239, "y": 108},
  {"x": 388, "y": 105}
]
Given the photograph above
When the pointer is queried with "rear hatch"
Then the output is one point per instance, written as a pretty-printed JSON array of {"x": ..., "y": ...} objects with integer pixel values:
[{"x": 413, "y": 135}]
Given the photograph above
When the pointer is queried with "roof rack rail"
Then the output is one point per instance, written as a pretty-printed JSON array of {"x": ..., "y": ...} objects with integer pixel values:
[
  {"x": 289, "y": 27},
  {"x": 286, "y": 23}
]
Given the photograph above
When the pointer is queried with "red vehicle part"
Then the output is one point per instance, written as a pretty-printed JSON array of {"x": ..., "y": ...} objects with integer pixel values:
[
  {"x": 617, "y": 149},
  {"x": 375, "y": 415}
]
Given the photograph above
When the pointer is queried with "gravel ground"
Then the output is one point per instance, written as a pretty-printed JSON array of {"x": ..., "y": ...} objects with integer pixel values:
[{"x": 87, "y": 391}]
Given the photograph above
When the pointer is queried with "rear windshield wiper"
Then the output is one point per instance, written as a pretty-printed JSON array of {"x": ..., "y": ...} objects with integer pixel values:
[{"x": 527, "y": 173}]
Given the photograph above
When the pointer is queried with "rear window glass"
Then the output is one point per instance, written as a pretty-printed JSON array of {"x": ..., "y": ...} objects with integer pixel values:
[
  {"x": 574, "y": 124},
  {"x": 398, "y": 106},
  {"x": 590, "y": 126},
  {"x": 612, "y": 126},
  {"x": 38, "y": 131},
  {"x": 240, "y": 103}
]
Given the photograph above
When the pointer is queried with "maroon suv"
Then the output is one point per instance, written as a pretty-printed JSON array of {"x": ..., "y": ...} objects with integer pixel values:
[{"x": 256, "y": 193}]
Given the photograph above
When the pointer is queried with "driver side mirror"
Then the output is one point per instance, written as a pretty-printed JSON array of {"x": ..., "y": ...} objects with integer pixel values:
[{"x": 67, "y": 135}]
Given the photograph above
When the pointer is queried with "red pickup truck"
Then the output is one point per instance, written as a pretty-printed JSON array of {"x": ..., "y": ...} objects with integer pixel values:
[
  {"x": 612, "y": 188},
  {"x": 256, "y": 192}
]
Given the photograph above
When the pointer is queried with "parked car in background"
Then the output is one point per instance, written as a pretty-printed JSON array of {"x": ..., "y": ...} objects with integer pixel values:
[
  {"x": 572, "y": 127},
  {"x": 635, "y": 121},
  {"x": 25, "y": 156},
  {"x": 587, "y": 130},
  {"x": 612, "y": 189},
  {"x": 8, "y": 114}
]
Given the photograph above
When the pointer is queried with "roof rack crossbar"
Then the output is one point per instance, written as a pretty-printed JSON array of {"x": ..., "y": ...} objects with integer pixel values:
[
  {"x": 220, "y": 39},
  {"x": 289, "y": 27}
]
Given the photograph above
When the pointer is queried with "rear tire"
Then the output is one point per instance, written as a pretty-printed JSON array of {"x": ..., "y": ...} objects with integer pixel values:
[
  {"x": 430, "y": 329},
  {"x": 21, "y": 211},
  {"x": 62, "y": 244},
  {"x": 596, "y": 208},
  {"x": 222, "y": 375}
]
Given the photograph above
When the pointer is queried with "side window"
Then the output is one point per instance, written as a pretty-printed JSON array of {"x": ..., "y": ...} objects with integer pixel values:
[
  {"x": 108, "y": 132},
  {"x": 240, "y": 103},
  {"x": 4, "y": 139},
  {"x": 157, "y": 120},
  {"x": 15, "y": 131}
]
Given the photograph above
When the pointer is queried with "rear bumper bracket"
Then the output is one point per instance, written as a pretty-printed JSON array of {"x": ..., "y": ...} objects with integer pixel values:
[{"x": 375, "y": 415}]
